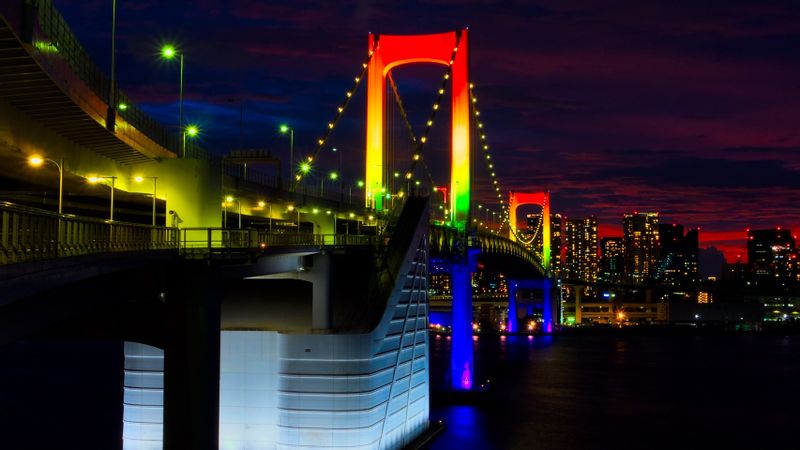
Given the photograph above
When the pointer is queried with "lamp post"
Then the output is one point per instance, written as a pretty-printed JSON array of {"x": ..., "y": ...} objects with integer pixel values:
[
  {"x": 231, "y": 199},
  {"x": 169, "y": 52},
  {"x": 287, "y": 129},
  {"x": 112, "y": 95},
  {"x": 139, "y": 179},
  {"x": 191, "y": 131},
  {"x": 113, "y": 179},
  {"x": 38, "y": 161},
  {"x": 292, "y": 208}
]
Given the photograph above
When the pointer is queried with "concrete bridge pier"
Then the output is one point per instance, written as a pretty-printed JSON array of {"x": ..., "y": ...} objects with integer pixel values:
[
  {"x": 191, "y": 359},
  {"x": 513, "y": 320},
  {"x": 462, "y": 373},
  {"x": 547, "y": 305}
]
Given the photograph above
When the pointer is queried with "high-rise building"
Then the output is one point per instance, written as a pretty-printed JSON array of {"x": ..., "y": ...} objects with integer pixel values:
[
  {"x": 581, "y": 241},
  {"x": 556, "y": 230},
  {"x": 770, "y": 260},
  {"x": 641, "y": 245},
  {"x": 612, "y": 259},
  {"x": 677, "y": 264}
]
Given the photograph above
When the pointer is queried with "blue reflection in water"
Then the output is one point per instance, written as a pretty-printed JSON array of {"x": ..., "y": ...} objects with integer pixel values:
[{"x": 466, "y": 429}]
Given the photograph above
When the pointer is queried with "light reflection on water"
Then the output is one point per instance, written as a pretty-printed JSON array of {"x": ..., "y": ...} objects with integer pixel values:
[{"x": 615, "y": 391}]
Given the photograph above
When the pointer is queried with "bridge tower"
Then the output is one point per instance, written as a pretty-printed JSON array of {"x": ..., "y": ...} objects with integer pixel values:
[
  {"x": 517, "y": 199},
  {"x": 390, "y": 51}
]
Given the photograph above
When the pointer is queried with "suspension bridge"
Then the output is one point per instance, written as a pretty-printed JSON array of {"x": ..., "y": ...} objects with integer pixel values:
[{"x": 352, "y": 375}]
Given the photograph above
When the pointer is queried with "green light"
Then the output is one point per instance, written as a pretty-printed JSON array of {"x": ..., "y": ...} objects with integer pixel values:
[
  {"x": 123, "y": 106},
  {"x": 360, "y": 184},
  {"x": 192, "y": 130},
  {"x": 397, "y": 174},
  {"x": 334, "y": 175},
  {"x": 45, "y": 47},
  {"x": 284, "y": 129},
  {"x": 305, "y": 167},
  {"x": 168, "y": 51}
]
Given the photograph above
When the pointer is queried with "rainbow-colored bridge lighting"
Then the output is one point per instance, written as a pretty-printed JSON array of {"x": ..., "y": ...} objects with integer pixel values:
[{"x": 389, "y": 51}]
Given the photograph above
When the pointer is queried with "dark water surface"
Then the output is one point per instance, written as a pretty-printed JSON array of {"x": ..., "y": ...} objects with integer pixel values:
[
  {"x": 565, "y": 393},
  {"x": 626, "y": 392}
]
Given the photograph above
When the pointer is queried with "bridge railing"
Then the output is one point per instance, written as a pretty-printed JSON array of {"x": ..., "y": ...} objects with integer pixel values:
[
  {"x": 29, "y": 234},
  {"x": 207, "y": 241}
]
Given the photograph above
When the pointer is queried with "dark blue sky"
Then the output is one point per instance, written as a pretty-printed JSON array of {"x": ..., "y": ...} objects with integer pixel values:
[{"x": 691, "y": 108}]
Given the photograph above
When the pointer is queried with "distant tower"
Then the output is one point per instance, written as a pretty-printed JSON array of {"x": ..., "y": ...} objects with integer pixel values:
[
  {"x": 581, "y": 238},
  {"x": 769, "y": 257},
  {"x": 612, "y": 259},
  {"x": 641, "y": 245},
  {"x": 677, "y": 265}
]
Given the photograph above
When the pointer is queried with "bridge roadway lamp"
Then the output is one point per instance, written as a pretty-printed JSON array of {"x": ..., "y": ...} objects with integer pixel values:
[
  {"x": 169, "y": 52},
  {"x": 95, "y": 180},
  {"x": 140, "y": 179},
  {"x": 38, "y": 161},
  {"x": 287, "y": 129},
  {"x": 191, "y": 131}
]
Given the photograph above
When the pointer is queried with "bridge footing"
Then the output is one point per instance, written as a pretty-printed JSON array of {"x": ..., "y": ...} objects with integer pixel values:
[{"x": 461, "y": 362}]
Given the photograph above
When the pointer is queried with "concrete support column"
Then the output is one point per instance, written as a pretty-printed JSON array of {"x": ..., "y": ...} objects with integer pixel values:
[
  {"x": 578, "y": 301},
  {"x": 191, "y": 360},
  {"x": 461, "y": 367},
  {"x": 547, "y": 305},
  {"x": 321, "y": 305},
  {"x": 513, "y": 321}
]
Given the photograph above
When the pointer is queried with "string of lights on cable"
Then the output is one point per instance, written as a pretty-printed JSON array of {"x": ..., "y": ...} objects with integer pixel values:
[{"x": 305, "y": 166}]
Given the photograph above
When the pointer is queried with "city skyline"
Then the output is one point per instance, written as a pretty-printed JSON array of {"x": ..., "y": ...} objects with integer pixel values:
[{"x": 615, "y": 108}]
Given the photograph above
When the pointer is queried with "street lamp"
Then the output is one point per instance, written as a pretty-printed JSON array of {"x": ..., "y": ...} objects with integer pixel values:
[
  {"x": 287, "y": 129},
  {"x": 139, "y": 179},
  {"x": 291, "y": 208},
  {"x": 333, "y": 176},
  {"x": 95, "y": 180},
  {"x": 38, "y": 161},
  {"x": 230, "y": 199},
  {"x": 169, "y": 52},
  {"x": 191, "y": 131}
]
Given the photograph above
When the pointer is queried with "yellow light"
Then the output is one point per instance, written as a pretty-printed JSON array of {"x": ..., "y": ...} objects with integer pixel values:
[
  {"x": 349, "y": 94},
  {"x": 358, "y": 79},
  {"x": 94, "y": 179},
  {"x": 423, "y": 139},
  {"x": 340, "y": 109},
  {"x": 36, "y": 160},
  {"x": 371, "y": 217},
  {"x": 330, "y": 125},
  {"x": 262, "y": 204},
  {"x": 229, "y": 198},
  {"x": 408, "y": 175},
  {"x": 290, "y": 207},
  {"x": 315, "y": 210},
  {"x": 416, "y": 157},
  {"x": 352, "y": 215},
  {"x": 320, "y": 141},
  {"x": 435, "y": 106},
  {"x": 138, "y": 179},
  {"x": 430, "y": 122}
]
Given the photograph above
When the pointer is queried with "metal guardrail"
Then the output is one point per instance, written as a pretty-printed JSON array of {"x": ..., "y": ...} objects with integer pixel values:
[
  {"x": 204, "y": 242},
  {"x": 30, "y": 234}
]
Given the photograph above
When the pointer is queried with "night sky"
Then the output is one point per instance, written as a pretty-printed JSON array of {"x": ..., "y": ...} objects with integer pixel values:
[{"x": 690, "y": 108}]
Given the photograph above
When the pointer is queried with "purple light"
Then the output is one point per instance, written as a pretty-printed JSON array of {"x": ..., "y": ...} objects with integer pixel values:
[{"x": 466, "y": 378}]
